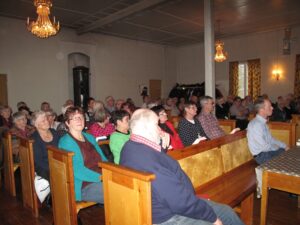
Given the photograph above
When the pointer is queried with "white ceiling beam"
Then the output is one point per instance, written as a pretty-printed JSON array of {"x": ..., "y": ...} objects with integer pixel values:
[{"x": 142, "y": 5}]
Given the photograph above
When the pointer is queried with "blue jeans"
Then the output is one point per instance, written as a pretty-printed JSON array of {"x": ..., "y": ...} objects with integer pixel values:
[
  {"x": 93, "y": 193},
  {"x": 224, "y": 213},
  {"x": 266, "y": 156}
]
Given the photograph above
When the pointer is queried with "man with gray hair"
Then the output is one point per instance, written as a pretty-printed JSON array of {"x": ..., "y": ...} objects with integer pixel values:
[
  {"x": 173, "y": 197},
  {"x": 208, "y": 120},
  {"x": 262, "y": 145},
  {"x": 260, "y": 141}
]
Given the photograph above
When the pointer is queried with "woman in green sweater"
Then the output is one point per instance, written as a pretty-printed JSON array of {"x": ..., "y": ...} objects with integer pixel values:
[{"x": 120, "y": 119}]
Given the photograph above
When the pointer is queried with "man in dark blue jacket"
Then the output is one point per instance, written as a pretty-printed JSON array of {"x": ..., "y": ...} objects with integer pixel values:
[{"x": 173, "y": 197}]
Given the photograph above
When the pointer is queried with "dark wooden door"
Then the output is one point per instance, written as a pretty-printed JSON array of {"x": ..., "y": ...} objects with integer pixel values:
[{"x": 3, "y": 89}]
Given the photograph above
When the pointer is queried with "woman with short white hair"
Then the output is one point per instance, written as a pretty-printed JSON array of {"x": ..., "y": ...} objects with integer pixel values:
[
  {"x": 42, "y": 137},
  {"x": 20, "y": 127}
]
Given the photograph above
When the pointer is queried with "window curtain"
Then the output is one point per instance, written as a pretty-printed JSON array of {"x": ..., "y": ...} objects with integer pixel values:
[
  {"x": 233, "y": 78},
  {"x": 297, "y": 77},
  {"x": 254, "y": 78}
]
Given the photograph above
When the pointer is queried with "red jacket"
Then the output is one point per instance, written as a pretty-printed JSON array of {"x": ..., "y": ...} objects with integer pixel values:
[{"x": 175, "y": 139}]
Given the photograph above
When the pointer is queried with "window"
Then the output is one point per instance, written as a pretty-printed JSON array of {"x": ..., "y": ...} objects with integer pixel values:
[{"x": 243, "y": 80}]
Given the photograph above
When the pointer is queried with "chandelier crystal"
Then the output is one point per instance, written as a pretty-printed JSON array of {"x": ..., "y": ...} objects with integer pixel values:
[
  {"x": 43, "y": 27},
  {"x": 220, "y": 55}
]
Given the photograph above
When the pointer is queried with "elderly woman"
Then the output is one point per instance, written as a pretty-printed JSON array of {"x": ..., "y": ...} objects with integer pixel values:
[
  {"x": 21, "y": 129},
  {"x": 167, "y": 127},
  {"x": 5, "y": 117},
  {"x": 42, "y": 137},
  {"x": 101, "y": 125},
  {"x": 51, "y": 116},
  {"x": 189, "y": 128},
  {"x": 88, "y": 154},
  {"x": 128, "y": 107}
]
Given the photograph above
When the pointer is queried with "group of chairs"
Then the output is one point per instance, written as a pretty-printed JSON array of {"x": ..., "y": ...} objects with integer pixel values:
[{"x": 132, "y": 206}]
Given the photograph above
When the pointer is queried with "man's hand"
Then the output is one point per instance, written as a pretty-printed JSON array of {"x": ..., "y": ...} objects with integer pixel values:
[
  {"x": 218, "y": 222},
  {"x": 235, "y": 130},
  {"x": 287, "y": 148},
  {"x": 198, "y": 140}
]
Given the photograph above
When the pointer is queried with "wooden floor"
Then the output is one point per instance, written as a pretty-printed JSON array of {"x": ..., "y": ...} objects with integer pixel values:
[{"x": 282, "y": 211}]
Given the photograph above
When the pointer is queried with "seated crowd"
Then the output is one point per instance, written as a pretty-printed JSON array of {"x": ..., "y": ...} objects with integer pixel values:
[{"x": 138, "y": 139}]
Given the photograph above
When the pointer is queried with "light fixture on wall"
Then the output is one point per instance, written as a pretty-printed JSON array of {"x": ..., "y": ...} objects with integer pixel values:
[
  {"x": 43, "y": 27},
  {"x": 220, "y": 55},
  {"x": 276, "y": 73}
]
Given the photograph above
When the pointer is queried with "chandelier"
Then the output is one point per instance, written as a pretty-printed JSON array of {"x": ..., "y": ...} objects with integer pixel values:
[
  {"x": 220, "y": 55},
  {"x": 43, "y": 27}
]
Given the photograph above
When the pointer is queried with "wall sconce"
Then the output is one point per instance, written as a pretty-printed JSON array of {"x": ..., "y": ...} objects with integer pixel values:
[{"x": 277, "y": 73}]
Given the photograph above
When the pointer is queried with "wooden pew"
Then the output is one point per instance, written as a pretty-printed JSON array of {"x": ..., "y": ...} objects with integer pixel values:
[
  {"x": 104, "y": 145},
  {"x": 127, "y": 195},
  {"x": 30, "y": 199},
  {"x": 285, "y": 132},
  {"x": 9, "y": 166},
  {"x": 227, "y": 125},
  {"x": 103, "y": 142},
  {"x": 296, "y": 119},
  {"x": 65, "y": 208},
  {"x": 224, "y": 170}
]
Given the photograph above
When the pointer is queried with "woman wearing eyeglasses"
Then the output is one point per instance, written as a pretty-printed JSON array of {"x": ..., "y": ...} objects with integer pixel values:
[
  {"x": 167, "y": 127},
  {"x": 189, "y": 128},
  {"x": 88, "y": 154}
]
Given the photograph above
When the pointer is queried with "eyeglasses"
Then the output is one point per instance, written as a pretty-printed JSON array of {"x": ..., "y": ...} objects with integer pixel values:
[
  {"x": 193, "y": 107},
  {"x": 79, "y": 118},
  {"x": 162, "y": 114}
]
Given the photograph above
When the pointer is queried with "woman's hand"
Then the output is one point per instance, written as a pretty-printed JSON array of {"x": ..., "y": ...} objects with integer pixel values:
[
  {"x": 218, "y": 222},
  {"x": 165, "y": 139}
]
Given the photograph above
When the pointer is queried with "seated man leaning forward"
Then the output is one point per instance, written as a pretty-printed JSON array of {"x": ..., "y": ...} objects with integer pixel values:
[
  {"x": 88, "y": 154},
  {"x": 261, "y": 143},
  {"x": 208, "y": 121},
  {"x": 173, "y": 197}
]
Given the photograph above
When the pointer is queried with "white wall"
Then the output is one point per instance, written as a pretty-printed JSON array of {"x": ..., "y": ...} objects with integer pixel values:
[
  {"x": 171, "y": 70},
  {"x": 266, "y": 46},
  {"x": 37, "y": 69}
]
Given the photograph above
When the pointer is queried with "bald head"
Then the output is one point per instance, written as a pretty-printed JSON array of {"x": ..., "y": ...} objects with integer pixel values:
[{"x": 144, "y": 122}]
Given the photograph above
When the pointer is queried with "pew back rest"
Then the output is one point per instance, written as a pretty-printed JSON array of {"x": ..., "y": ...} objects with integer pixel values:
[
  {"x": 285, "y": 132},
  {"x": 127, "y": 195},
  {"x": 296, "y": 119},
  {"x": 235, "y": 152},
  {"x": 9, "y": 176},
  {"x": 208, "y": 160},
  {"x": 227, "y": 125},
  {"x": 62, "y": 186},
  {"x": 27, "y": 175}
]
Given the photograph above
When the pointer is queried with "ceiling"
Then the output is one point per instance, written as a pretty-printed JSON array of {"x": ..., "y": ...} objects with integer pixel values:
[{"x": 168, "y": 22}]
